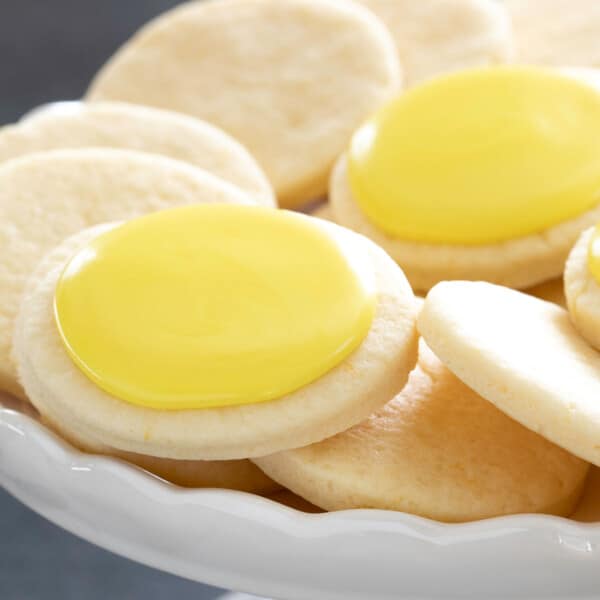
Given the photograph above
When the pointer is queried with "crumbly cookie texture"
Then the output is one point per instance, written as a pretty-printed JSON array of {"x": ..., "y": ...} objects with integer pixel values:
[
  {"x": 132, "y": 127},
  {"x": 439, "y": 36},
  {"x": 438, "y": 450},
  {"x": 556, "y": 32},
  {"x": 291, "y": 80},
  {"x": 523, "y": 355}
]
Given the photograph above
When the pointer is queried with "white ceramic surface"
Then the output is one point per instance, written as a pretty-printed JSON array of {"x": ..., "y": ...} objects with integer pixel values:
[{"x": 240, "y": 541}]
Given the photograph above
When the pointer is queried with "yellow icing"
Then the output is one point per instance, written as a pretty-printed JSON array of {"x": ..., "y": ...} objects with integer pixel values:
[
  {"x": 594, "y": 254},
  {"x": 213, "y": 306},
  {"x": 479, "y": 157}
]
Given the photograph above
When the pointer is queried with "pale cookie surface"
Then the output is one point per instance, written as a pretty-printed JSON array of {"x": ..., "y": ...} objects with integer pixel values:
[
  {"x": 523, "y": 355},
  {"x": 439, "y": 36},
  {"x": 365, "y": 381},
  {"x": 290, "y": 79},
  {"x": 437, "y": 450},
  {"x": 240, "y": 475},
  {"x": 520, "y": 263},
  {"x": 119, "y": 125},
  {"x": 556, "y": 32},
  {"x": 583, "y": 291},
  {"x": 48, "y": 196}
]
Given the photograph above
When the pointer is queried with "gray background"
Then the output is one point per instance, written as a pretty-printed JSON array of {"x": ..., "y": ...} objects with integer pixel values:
[{"x": 49, "y": 50}]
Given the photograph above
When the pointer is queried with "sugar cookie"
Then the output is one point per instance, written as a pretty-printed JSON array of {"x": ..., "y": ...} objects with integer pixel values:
[
  {"x": 47, "y": 196},
  {"x": 582, "y": 289},
  {"x": 120, "y": 125},
  {"x": 461, "y": 236},
  {"x": 240, "y": 475},
  {"x": 523, "y": 355},
  {"x": 556, "y": 32},
  {"x": 289, "y": 79},
  {"x": 438, "y": 36},
  {"x": 364, "y": 381},
  {"x": 437, "y": 450}
]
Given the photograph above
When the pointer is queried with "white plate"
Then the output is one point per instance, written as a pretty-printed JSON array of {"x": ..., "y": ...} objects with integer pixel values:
[{"x": 240, "y": 541}]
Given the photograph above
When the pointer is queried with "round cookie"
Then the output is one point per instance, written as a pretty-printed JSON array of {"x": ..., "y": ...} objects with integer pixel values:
[
  {"x": 47, "y": 196},
  {"x": 289, "y": 79},
  {"x": 437, "y": 450},
  {"x": 119, "y": 125},
  {"x": 551, "y": 291},
  {"x": 583, "y": 291},
  {"x": 363, "y": 382},
  {"x": 240, "y": 475},
  {"x": 438, "y": 36},
  {"x": 556, "y": 32},
  {"x": 521, "y": 262},
  {"x": 523, "y": 355},
  {"x": 518, "y": 263}
]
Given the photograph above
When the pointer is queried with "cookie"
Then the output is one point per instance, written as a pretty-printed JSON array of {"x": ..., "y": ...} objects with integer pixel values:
[
  {"x": 443, "y": 180},
  {"x": 521, "y": 354},
  {"x": 48, "y": 196},
  {"x": 119, "y": 125},
  {"x": 439, "y": 36},
  {"x": 240, "y": 475},
  {"x": 233, "y": 419},
  {"x": 556, "y": 32},
  {"x": 289, "y": 79},
  {"x": 437, "y": 450},
  {"x": 582, "y": 287}
]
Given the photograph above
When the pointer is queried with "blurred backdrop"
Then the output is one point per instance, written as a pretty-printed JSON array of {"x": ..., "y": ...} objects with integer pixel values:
[{"x": 49, "y": 50}]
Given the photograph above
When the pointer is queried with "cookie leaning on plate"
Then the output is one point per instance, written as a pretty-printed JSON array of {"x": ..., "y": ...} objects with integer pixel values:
[
  {"x": 438, "y": 36},
  {"x": 441, "y": 178},
  {"x": 438, "y": 450},
  {"x": 523, "y": 355},
  {"x": 129, "y": 127},
  {"x": 215, "y": 358},
  {"x": 290, "y": 79},
  {"x": 48, "y": 196}
]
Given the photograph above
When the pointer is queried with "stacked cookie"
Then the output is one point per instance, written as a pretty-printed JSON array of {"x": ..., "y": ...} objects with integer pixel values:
[{"x": 160, "y": 309}]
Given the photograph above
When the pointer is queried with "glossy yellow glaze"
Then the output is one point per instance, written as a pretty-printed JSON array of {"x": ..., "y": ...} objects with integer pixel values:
[
  {"x": 213, "y": 306},
  {"x": 479, "y": 157}
]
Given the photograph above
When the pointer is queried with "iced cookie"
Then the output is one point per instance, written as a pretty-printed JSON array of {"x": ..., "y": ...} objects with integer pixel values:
[
  {"x": 48, "y": 196},
  {"x": 523, "y": 355},
  {"x": 290, "y": 79},
  {"x": 240, "y": 475},
  {"x": 215, "y": 333},
  {"x": 446, "y": 177},
  {"x": 551, "y": 291},
  {"x": 437, "y": 450},
  {"x": 582, "y": 285},
  {"x": 438, "y": 36},
  {"x": 556, "y": 32},
  {"x": 119, "y": 125}
]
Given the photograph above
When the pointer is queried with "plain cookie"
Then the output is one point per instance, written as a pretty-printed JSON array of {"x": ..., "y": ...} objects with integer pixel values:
[
  {"x": 523, "y": 355},
  {"x": 437, "y": 450},
  {"x": 439, "y": 36},
  {"x": 289, "y": 79}
]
